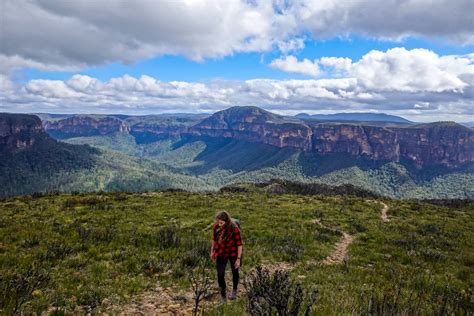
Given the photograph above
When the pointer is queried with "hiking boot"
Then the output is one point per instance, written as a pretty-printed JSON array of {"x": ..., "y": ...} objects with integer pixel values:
[
  {"x": 233, "y": 295},
  {"x": 222, "y": 300}
]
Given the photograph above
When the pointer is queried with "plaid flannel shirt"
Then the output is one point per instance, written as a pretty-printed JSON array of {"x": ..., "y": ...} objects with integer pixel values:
[{"x": 229, "y": 248}]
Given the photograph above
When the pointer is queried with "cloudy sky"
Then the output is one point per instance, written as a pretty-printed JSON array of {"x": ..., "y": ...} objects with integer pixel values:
[{"x": 413, "y": 58}]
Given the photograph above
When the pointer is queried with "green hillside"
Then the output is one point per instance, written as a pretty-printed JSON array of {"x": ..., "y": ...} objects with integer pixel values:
[
  {"x": 56, "y": 166},
  {"x": 111, "y": 252},
  {"x": 220, "y": 162}
]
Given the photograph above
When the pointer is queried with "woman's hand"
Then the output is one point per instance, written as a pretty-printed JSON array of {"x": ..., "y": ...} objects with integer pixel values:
[
  {"x": 237, "y": 263},
  {"x": 212, "y": 255}
]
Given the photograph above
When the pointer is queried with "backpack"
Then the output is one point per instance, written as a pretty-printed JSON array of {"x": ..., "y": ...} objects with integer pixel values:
[{"x": 237, "y": 222}]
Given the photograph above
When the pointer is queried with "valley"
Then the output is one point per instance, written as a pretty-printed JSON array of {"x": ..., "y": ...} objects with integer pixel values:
[{"x": 239, "y": 145}]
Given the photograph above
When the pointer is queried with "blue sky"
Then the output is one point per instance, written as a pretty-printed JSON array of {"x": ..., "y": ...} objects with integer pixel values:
[
  {"x": 412, "y": 58},
  {"x": 244, "y": 66}
]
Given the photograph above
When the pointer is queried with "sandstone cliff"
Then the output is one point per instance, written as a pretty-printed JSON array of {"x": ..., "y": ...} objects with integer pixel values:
[
  {"x": 447, "y": 144},
  {"x": 77, "y": 126},
  {"x": 442, "y": 143},
  {"x": 256, "y": 125},
  {"x": 19, "y": 131}
]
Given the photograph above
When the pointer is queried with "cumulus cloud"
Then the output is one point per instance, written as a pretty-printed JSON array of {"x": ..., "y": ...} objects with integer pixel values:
[
  {"x": 417, "y": 83},
  {"x": 292, "y": 65},
  {"x": 397, "y": 69},
  {"x": 65, "y": 35},
  {"x": 414, "y": 70},
  {"x": 145, "y": 95},
  {"x": 45, "y": 34},
  {"x": 391, "y": 19}
]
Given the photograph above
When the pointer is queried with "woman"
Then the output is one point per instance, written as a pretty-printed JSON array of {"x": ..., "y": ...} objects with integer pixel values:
[{"x": 226, "y": 246}]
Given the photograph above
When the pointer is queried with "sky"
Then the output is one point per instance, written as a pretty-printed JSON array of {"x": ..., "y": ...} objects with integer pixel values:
[{"x": 412, "y": 58}]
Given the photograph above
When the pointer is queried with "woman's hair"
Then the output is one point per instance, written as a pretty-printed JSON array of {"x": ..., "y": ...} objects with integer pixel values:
[{"x": 228, "y": 228}]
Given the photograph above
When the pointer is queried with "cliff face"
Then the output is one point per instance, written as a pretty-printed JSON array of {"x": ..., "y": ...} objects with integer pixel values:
[
  {"x": 447, "y": 144},
  {"x": 77, "y": 126},
  {"x": 19, "y": 131},
  {"x": 149, "y": 132},
  {"x": 450, "y": 144},
  {"x": 255, "y": 125},
  {"x": 377, "y": 143}
]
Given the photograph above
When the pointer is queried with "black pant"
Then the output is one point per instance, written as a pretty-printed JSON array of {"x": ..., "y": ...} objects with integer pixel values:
[{"x": 221, "y": 263}]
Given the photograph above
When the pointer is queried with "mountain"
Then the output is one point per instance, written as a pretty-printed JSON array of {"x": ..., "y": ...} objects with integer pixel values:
[
  {"x": 249, "y": 144},
  {"x": 145, "y": 129},
  {"x": 468, "y": 124},
  {"x": 255, "y": 125},
  {"x": 355, "y": 117},
  {"x": 442, "y": 143},
  {"x": 31, "y": 161}
]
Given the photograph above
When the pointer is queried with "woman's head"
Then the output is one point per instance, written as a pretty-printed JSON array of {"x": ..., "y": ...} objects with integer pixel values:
[{"x": 224, "y": 220}]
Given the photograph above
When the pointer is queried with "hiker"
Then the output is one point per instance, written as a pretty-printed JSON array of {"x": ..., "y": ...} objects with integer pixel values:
[{"x": 226, "y": 246}]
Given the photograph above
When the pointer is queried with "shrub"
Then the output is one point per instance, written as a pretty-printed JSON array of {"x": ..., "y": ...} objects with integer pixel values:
[
  {"x": 17, "y": 288},
  {"x": 104, "y": 234},
  {"x": 357, "y": 226},
  {"x": 83, "y": 232},
  {"x": 90, "y": 299},
  {"x": 153, "y": 265},
  {"x": 57, "y": 251},
  {"x": 31, "y": 241},
  {"x": 200, "y": 278},
  {"x": 196, "y": 251},
  {"x": 291, "y": 249},
  {"x": 168, "y": 237},
  {"x": 275, "y": 294}
]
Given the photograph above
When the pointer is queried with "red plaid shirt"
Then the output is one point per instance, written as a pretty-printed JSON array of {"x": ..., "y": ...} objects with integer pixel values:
[{"x": 229, "y": 248}]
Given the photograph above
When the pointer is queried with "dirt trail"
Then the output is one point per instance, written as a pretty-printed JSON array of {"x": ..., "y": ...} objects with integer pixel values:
[
  {"x": 340, "y": 253},
  {"x": 168, "y": 301},
  {"x": 383, "y": 211},
  {"x": 383, "y": 214},
  {"x": 159, "y": 301},
  {"x": 171, "y": 301}
]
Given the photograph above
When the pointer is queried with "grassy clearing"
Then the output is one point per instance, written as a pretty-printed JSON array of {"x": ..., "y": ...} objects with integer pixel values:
[{"x": 94, "y": 250}]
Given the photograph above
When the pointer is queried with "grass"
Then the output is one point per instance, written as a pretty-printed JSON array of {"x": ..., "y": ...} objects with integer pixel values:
[{"x": 95, "y": 250}]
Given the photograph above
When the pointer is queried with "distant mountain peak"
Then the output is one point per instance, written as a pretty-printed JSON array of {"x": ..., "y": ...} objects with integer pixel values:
[
  {"x": 357, "y": 117},
  {"x": 240, "y": 114},
  {"x": 243, "y": 111}
]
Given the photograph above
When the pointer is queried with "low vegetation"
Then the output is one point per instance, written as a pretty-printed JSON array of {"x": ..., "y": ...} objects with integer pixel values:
[{"x": 98, "y": 251}]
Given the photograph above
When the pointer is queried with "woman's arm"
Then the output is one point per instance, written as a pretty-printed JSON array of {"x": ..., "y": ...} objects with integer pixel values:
[
  {"x": 238, "y": 241},
  {"x": 212, "y": 250},
  {"x": 213, "y": 243}
]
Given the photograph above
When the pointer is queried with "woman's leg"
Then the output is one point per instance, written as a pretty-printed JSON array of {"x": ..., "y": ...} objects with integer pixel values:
[
  {"x": 221, "y": 262},
  {"x": 235, "y": 273}
]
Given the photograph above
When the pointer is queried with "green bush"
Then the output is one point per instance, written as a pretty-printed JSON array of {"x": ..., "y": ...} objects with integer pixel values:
[{"x": 276, "y": 294}]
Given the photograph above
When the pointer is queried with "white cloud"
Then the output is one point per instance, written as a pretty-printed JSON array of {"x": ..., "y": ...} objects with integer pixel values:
[
  {"x": 415, "y": 70},
  {"x": 144, "y": 95},
  {"x": 391, "y": 19},
  {"x": 48, "y": 34},
  {"x": 71, "y": 35},
  {"x": 397, "y": 69},
  {"x": 291, "y": 45},
  {"x": 337, "y": 63},
  {"x": 292, "y": 65}
]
